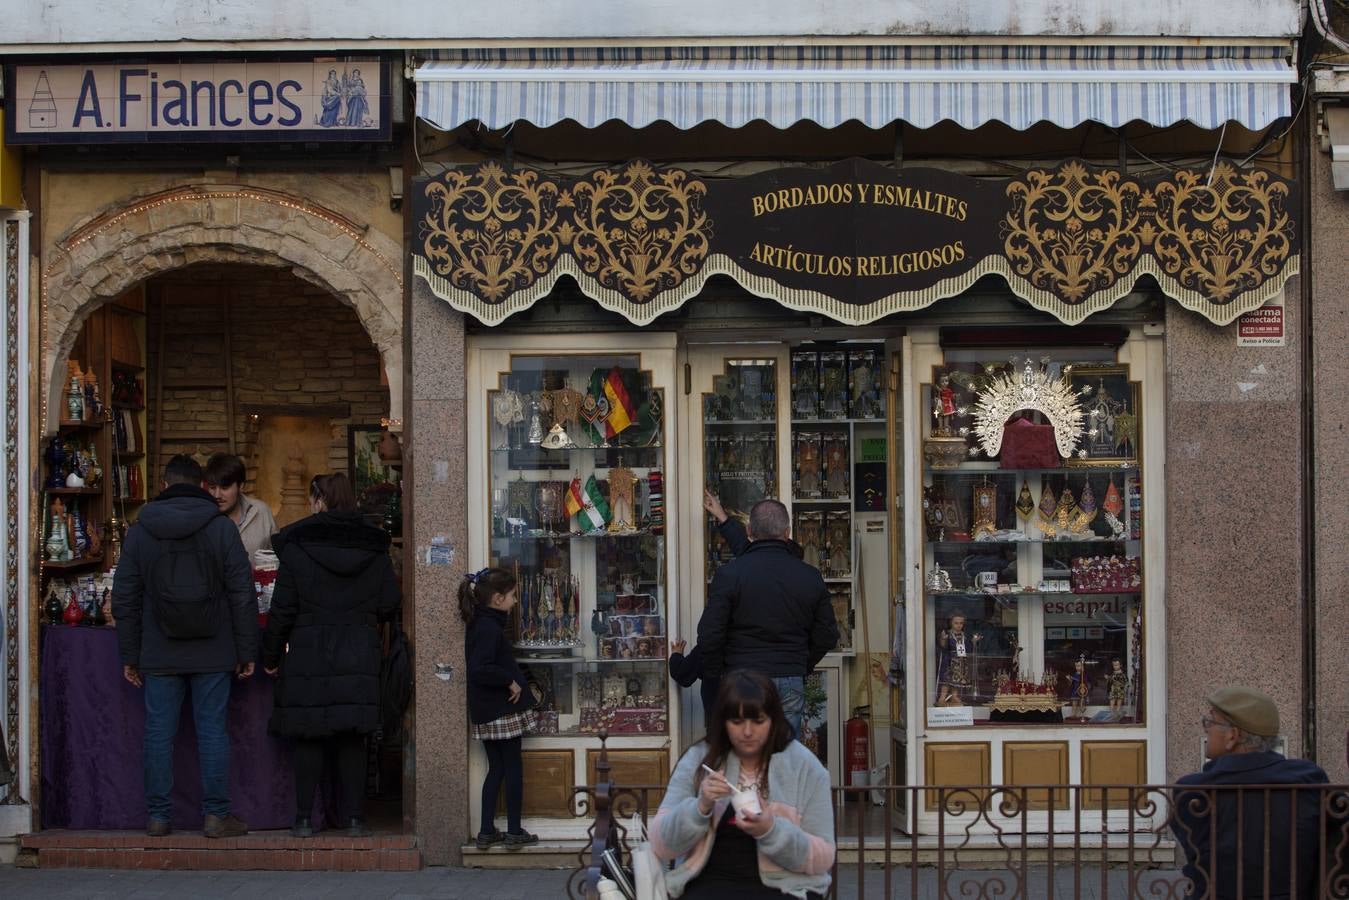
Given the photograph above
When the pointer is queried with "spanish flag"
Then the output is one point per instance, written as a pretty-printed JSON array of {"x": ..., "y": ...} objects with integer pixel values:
[
  {"x": 574, "y": 502},
  {"x": 621, "y": 409}
]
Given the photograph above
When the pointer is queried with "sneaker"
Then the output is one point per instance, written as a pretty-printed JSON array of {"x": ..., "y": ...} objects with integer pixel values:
[
  {"x": 516, "y": 840},
  {"x": 357, "y": 828},
  {"x": 159, "y": 828},
  {"x": 302, "y": 828},
  {"x": 227, "y": 827},
  {"x": 487, "y": 840}
]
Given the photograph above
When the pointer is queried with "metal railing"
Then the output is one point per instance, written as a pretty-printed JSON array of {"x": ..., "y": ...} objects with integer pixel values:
[{"x": 1050, "y": 841}]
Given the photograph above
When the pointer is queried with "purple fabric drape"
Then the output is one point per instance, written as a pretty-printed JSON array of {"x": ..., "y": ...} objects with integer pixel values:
[{"x": 92, "y": 722}]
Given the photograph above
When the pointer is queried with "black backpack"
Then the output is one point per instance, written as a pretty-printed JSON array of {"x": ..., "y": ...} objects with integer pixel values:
[
  {"x": 185, "y": 586},
  {"x": 395, "y": 682}
]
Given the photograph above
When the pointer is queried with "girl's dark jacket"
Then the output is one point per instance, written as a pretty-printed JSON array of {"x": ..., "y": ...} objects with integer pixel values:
[
  {"x": 492, "y": 668},
  {"x": 334, "y": 583}
]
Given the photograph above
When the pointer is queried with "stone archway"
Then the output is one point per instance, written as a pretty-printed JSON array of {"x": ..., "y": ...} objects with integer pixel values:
[{"x": 222, "y": 223}]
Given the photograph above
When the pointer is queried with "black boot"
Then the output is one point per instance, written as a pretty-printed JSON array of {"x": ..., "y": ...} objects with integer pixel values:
[
  {"x": 302, "y": 828},
  {"x": 358, "y": 829}
]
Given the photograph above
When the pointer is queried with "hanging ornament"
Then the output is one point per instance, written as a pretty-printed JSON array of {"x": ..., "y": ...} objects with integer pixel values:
[
  {"x": 1048, "y": 503},
  {"x": 1113, "y": 504},
  {"x": 985, "y": 510},
  {"x": 1086, "y": 508},
  {"x": 1065, "y": 510},
  {"x": 1025, "y": 503}
]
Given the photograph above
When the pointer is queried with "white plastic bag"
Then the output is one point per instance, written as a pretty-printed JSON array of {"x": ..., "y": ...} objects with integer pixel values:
[{"x": 648, "y": 872}]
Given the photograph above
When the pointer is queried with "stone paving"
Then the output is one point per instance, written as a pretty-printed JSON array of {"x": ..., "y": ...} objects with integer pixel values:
[{"x": 500, "y": 884}]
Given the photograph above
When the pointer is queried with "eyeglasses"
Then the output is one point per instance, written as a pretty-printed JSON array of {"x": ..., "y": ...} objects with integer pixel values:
[{"x": 1208, "y": 722}]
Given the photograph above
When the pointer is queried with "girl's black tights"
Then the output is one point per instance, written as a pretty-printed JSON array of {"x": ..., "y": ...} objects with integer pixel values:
[{"x": 503, "y": 765}]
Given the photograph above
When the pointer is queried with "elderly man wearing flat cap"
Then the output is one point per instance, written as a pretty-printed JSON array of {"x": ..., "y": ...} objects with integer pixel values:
[{"x": 1241, "y": 730}]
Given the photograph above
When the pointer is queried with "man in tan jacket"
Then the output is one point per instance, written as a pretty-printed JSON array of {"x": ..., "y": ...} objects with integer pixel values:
[{"x": 225, "y": 480}]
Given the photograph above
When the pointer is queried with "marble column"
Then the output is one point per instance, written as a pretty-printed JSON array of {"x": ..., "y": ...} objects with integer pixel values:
[
  {"x": 1233, "y": 523},
  {"x": 435, "y": 457},
  {"x": 1330, "y": 441}
]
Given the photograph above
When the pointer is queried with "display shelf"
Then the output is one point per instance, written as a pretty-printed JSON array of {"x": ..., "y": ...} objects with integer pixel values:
[
  {"x": 128, "y": 454},
  {"x": 763, "y": 424},
  {"x": 877, "y": 421},
  {"x": 985, "y": 542},
  {"x": 67, "y": 565},
  {"x": 126, "y": 366},
  {"x": 973, "y": 593},
  {"x": 986, "y": 467},
  {"x": 612, "y": 448},
  {"x": 73, "y": 492},
  {"x": 821, "y": 501},
  {"x": 81, "y": 424}
]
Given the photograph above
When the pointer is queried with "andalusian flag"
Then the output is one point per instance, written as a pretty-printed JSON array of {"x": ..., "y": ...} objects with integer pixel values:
[
  {"x": 594, "y": 508},
  {"x": 573, "y": 500},
  {"x": 622, "y": 411}
]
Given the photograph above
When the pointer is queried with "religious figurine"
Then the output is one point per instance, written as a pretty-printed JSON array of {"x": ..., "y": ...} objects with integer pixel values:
[
  {"x": 622, "y": 499},
  {"x": 944, "y": 406},
  {"x": 805, "y": 385},
  {"x": 1079, "y": 688},
  {"x": 79, "y": 535},
  {"x": 833, "y": 385},
  {"x": 836, "y": 467},
  {"x": 535, "y": 422},
  {"x": 864, "y": 402},
  {"x": 114, "y": 541},
  {"x": 838, "y": 541},
  {"x": 105, "y": 605},
  {"x": 58, "y": 535},
  {"x": 1118, "y": 684},
  {"x": 956, "y": 653},
  {"x": 807, "y": 465},
  {"x": 809, "y": 526}
]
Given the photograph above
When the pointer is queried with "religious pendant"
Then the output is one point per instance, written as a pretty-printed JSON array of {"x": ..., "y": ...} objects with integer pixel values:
[
  {"x": 985, "y": 510},
  {"x": 1025, "y": 503}
]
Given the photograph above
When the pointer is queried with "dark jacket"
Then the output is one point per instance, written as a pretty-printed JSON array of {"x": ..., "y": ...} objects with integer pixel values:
[
  {"x": 182, "y": 510},
  {"x": 492, "y": 668},
  {"x": 769, "y": 611},
  {"x": 334, "y": 583},
  {"x": 687, "y": 669},
  {"x": 1196, "y": 820}
]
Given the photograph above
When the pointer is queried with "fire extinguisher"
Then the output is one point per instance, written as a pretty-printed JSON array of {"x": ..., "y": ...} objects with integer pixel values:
[{"x": 856, "y": 754}]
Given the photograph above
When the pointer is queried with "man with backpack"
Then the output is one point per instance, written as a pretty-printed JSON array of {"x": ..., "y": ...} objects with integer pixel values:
[{"x": 186, "y": 618}]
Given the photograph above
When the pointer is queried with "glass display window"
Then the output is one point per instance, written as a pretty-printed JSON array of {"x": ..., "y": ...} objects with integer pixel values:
[
  {"x": 577, "y": 445},
  {"x": 1032, "y": 519}
]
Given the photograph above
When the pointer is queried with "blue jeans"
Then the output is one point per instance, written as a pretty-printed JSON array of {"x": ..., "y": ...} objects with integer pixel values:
[
  {"x": 163, "y": 703},
  {"x": 792, "y": 690}
]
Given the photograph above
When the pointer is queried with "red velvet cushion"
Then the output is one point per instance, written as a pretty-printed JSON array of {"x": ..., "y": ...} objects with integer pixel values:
[{"x": 1026, "y": 445}]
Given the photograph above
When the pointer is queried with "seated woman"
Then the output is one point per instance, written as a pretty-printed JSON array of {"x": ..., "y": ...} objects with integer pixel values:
[{"x": 787, "y": 849}]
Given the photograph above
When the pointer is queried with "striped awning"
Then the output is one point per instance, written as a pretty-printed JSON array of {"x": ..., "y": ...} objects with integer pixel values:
[{"x": 921, "y": 85}]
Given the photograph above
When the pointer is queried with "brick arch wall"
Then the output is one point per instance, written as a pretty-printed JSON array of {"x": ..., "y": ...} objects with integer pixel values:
[{"x": 221, "y": 224}]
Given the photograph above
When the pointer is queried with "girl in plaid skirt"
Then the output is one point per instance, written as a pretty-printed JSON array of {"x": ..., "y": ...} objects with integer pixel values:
[{"x": 500, "y": 708}]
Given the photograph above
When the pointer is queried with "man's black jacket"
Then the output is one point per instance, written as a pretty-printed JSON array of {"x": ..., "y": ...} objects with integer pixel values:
[
  {"x": 179, "y": 511},
  {"x": 769, "y": 611}
]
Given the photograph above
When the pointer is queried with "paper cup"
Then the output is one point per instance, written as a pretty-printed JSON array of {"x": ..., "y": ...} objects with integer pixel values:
[{"x": 746, "y": 801}]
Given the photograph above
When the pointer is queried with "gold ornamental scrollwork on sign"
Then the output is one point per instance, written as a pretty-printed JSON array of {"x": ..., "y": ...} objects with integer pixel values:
[
  {"x": 1072, "y": 231},
  {"x": 489, "y": 231},
  {"x": 639, "y": 230},
  {"x": 1222, "y": 236}
]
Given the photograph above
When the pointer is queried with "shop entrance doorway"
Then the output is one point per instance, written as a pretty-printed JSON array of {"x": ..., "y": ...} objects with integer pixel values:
[{"x": 241, "y": 359}]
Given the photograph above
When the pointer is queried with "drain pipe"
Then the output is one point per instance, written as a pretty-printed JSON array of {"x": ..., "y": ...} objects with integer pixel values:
[{"x": 1308, "y": 422}]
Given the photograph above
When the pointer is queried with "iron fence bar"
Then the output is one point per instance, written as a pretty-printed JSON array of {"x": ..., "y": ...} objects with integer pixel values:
[
  {"x": 1241, "y": 843},
  {"x": 1025, "y": 834},
  {"x": 1103, "y": 853},
  {"x": 1077, "y": 845},
  {"x": 1132, "y": 860},
  {"x": 1049, "y": 850},
  {"x": 861, "y": 847},
  {"x": 1293, "y": 799},
  {"x": 911, "y": 807},
  {"x": 889, "y": 838},
  {"x": 941, "y": 840}
]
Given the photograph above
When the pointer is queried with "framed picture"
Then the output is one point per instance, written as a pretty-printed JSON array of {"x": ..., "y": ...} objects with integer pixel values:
[
  {"x": 1111, "y": 415},
  {"x": 375, "y": 483}
]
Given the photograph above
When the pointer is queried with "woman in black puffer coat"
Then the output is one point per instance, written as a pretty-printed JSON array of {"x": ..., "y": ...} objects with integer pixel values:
[{"x": 334, "y": 584}]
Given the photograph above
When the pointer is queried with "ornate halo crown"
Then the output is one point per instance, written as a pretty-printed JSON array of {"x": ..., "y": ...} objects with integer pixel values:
[{"x": 1026, "y": 386}]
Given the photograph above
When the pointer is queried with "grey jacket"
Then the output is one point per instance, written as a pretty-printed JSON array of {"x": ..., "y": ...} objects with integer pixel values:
[{"x": 179, "y": 511}]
